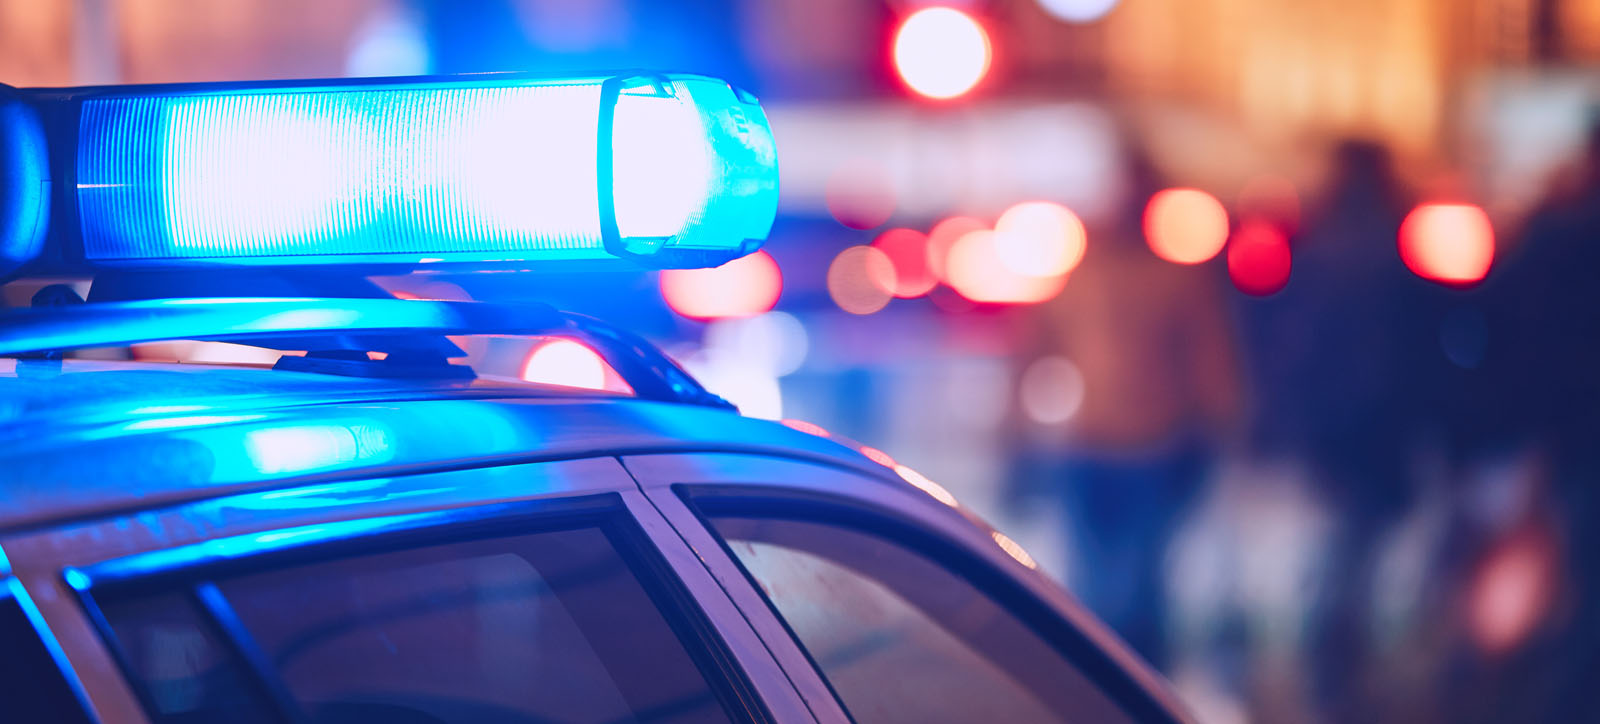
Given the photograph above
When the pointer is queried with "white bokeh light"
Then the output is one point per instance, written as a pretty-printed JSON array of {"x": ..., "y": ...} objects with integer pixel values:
[
  {"x": 1078, "y": 11},
  {"x": 941, "y": 52}
]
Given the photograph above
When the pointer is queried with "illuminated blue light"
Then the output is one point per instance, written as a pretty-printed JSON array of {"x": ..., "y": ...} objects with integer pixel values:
[
  {"x": 695, "y": 166},
  {"x": 469, "y": 171},
  {"x": 175, "y": 423},
  {"x": 304, "y": 448},
  {"x": 407, "y": 171}
]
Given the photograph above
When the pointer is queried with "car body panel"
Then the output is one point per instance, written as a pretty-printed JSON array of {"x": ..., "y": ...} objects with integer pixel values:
[
  {"x": 248, "y": 524},
  {"x": 172, "y": 465},
  {"x": 246, "y": 430},
  {"x": 665, "y": 477}
]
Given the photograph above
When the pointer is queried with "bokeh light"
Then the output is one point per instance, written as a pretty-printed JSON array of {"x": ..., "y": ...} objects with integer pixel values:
[
  {"x": 808, "y": 428},
  {"x": 943, "y": 237},
  {"x": 744, "y": 287},
  {"x": 775, "y": 343},
  {"x": 860, "y": 195},
  {"x": 878, "y": 456},
  {"x": 1448, "y": 243},
  {"x": 921, "y": 482},
  {"x": 861, "y": 279},
  {"x": 1511, "y": 592},
  {"x": 1078, "y": 11},
  {"x": 941, "y": 52},
  {"x": 1040, "y": 239},
  {"x": 975, "y": 271},
  {"x": 908, "y": 251},
  {"x": 1185, "y": 226},
  {"x": 1051, "y": 390},
  {"x": 1013, "y": 549},
  {"x": 566, "y": 363},
  {"x": 1259, "y": 259}
]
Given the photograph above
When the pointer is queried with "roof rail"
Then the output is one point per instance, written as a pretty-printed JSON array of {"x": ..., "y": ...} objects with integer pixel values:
[{"x": 382, "y": 325}]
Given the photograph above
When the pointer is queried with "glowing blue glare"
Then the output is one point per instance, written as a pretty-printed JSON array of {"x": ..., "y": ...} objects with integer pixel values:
[
  {"x": 391, "y": 171},
  {"x": 695, "y": 164},
  {"x": 476, "y": 170},
  {"x": 303, "y": 448},
  {"x": 662, "y": 173},
  {"x": 302, "y": 172}
]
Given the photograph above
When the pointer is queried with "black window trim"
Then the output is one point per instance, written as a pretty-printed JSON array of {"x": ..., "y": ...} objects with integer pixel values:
[
  {"x": 707, "y": 500},
  {"x": 12, "y": 590},
  {"x": 192, "y": 570}
]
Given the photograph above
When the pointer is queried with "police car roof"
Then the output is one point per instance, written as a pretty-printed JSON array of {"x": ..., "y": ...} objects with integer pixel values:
[{"x": 91, "y": 438}]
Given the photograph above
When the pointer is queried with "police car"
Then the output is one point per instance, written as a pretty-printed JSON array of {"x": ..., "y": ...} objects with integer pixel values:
[{"x": 369, "y": 531}]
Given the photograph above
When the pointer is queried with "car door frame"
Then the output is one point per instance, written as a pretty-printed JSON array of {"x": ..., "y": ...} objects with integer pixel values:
[
  {"x": 54, "y": 564},
  {"x": 672, "y": 480}
]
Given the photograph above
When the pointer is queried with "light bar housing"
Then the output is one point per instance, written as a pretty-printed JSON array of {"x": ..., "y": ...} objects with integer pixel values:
[{"x": 498, "y": 170}]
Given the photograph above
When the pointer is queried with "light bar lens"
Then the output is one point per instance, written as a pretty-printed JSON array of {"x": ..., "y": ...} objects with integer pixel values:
[{"x": 456, "y": 171}]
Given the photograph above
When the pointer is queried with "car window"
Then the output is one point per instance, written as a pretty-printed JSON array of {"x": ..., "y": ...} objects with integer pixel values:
[
  {"x": 32, "y": 686},
  {"x": 549, "y": 627},
  {"x": 901, "y": 638}
]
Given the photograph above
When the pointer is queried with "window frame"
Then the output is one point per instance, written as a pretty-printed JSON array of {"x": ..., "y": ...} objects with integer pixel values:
[
  {"x": 766, "y": 502},
  {"x": 193, "y": 570}
]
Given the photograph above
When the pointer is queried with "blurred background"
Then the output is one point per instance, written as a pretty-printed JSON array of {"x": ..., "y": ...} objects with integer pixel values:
[{"x": 1271, "y": 327}]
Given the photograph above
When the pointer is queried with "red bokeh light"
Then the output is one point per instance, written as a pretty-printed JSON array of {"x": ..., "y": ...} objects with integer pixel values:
[
  {"x": 1185, "y": 226},
  {"x": 908, "y": 250},
  {"x": 1448, "y": 243},
  {"x": 1512, "y": 591},
  {"x": 1259, "y": 259},
  {"x": 744, "y": 287},
  {"x": 566, "y": 363},
  {"x": 878, "y": 456},
  {"x": 805, "y": 427},
  {"x": 943, "y": 237}
]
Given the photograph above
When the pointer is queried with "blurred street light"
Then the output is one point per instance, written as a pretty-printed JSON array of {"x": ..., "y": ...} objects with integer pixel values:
[
  {"x": 1185, "y": 226},
  {"x": 744, "y": 287},
  {"x": 941, "y": 52},
  {"x": 1447, "y": 243}
]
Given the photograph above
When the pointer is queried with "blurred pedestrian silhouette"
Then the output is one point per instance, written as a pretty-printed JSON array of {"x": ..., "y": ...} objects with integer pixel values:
[
  {"x": 1155, "y": 350},
  {"x": 1544, "y": 330},
  {"x": 1337, "y": 350}
]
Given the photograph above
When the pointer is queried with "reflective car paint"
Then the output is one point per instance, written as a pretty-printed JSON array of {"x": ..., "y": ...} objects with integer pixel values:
[{"x": 251, "y": 429}]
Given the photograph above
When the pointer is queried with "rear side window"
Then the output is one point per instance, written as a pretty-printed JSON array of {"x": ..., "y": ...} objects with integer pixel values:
[
  {"x": 32, "y": 686},
  {"x": 552, "y": 626},
  {"x": 900, "y": 638}
]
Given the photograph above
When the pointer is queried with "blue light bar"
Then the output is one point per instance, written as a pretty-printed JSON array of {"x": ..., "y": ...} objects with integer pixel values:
[{"x": 668, "y": 170}]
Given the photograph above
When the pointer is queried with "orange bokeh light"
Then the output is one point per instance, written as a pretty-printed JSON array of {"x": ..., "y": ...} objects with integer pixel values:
[
  {"x": 861, "y": 279},
  {"x": 908, "y": 250},
  {"x": 975, "y": 271},
  {"x": 1185, "y": 226},
  {"x": 744, "y": 287},
  {"x": 943, "y": 237},
  {"x": 1259, "y": 259},
  {"x": 1448, "y": 243}
]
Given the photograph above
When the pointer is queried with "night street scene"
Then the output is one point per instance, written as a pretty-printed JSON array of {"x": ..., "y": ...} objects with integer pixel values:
[{"x": 770, "y": 361}]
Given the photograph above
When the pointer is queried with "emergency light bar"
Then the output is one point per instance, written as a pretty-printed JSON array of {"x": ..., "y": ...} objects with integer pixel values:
[{"x": 487, "y": 170}]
